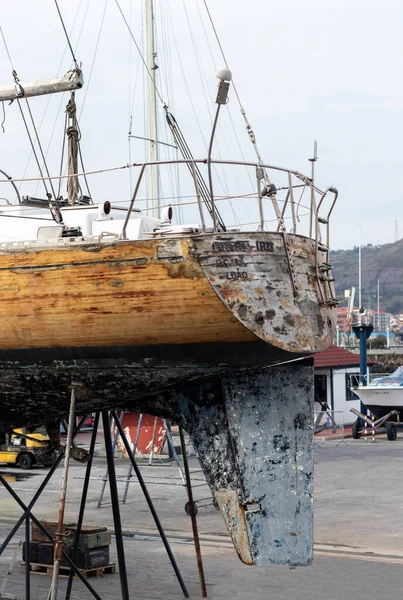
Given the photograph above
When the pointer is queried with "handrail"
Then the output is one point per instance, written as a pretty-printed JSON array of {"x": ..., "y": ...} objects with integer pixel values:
[
  {"x": 303, "y": 182},
  {"x": 136, "y": 189},
  {"x": 10, "y": 180},
  {"x": 326, "y": 289}
]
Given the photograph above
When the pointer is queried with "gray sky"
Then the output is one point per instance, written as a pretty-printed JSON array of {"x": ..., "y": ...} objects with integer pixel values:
[{"x": 327, "y": 70}]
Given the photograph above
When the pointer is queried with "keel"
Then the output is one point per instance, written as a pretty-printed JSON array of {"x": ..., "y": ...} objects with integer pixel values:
[{"x": 253, "y": 433}]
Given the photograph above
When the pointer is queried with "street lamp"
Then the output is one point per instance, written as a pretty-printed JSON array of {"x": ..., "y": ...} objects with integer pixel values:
[{"x": 387, "y": 337}]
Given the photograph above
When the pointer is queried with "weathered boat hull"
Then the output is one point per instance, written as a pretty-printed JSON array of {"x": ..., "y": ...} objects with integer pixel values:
[
  {"x": 185, "y": 329},
  {"x": 130, "y": 318}
]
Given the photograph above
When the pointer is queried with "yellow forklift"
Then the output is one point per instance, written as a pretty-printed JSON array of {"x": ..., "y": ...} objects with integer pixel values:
[{"x": 27, "y": 449}]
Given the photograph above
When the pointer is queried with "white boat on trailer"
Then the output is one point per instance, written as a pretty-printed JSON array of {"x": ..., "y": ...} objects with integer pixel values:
[{"x": 383, "y": 397}]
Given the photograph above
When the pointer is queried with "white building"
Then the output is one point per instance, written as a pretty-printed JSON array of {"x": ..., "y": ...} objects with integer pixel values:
[
  {"x": 381, "y": 320},
  {"x": 336, "y": 370}
]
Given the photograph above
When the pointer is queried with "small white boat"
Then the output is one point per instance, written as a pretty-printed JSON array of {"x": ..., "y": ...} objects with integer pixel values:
[{"x": 383, "y": 393}]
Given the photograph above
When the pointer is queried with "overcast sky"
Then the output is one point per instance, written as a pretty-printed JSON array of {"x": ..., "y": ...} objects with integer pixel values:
[{"x": 326, "y": 70}]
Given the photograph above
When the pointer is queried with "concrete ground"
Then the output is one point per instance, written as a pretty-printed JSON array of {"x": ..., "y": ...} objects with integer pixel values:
[{"x": 358, "y": 532}]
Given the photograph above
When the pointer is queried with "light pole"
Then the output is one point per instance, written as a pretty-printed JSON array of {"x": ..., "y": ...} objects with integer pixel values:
[{"x": 387, "y": 338}]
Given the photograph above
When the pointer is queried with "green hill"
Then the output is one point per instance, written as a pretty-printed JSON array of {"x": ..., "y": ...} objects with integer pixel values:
[{"x": 378, "y": 262}]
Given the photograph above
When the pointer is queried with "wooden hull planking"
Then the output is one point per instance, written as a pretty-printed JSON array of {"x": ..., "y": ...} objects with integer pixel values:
[
  {"x": 161, "y": 292},
  {"x": 131, "y": 318}
]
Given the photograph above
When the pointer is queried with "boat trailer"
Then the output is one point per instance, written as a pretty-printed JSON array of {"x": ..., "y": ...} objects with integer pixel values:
[{"x": 391, "y": 425}]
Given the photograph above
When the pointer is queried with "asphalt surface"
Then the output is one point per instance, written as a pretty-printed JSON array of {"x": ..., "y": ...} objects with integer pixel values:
[{"x": 358, "y": 532}]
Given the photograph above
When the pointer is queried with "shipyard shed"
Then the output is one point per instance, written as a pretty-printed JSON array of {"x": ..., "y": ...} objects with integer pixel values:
[{"x": 336, "y": 369}]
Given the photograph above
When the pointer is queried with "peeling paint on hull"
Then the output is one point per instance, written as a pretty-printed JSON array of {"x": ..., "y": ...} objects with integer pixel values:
[{"x": 253, "y": 432}]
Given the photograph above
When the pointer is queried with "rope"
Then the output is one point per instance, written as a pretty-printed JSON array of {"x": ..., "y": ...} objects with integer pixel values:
[
  {"x": 67, "y": 36},
  {"x": 4, "y": 117},
  {"x": 62, "y": 156}
]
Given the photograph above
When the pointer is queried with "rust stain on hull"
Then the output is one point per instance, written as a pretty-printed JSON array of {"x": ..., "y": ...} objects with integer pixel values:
[
  {"x": 76, "y": 296},
  {"x": 252, "y": 279}
]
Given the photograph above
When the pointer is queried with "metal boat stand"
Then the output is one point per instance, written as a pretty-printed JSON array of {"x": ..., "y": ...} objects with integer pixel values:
[
  {"x": 106, "y": 476},
  {"x": 173, "y": 455},
  {"x": 29, "y": 516},
  {"x": 115, "y": 499},
  {"x": 193, "y": 511},
  {"x": 140, "y": 480}
]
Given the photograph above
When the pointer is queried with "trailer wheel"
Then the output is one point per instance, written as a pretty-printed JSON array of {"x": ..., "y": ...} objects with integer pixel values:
[
  {"x": 25, "y": 461},
  {"x": 391, "y": 431},
  {"x": 356, "y": 430}
]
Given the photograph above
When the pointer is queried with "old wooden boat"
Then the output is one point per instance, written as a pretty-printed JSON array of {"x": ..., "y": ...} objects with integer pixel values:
[
  {"x": 101, "y": 293},
  {"x": 145, "y": 313},
  {"x": 173, "y": 320}
]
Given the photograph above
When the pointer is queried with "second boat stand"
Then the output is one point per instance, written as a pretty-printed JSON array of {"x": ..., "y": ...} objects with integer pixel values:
[{"x": 28, "y": 515}]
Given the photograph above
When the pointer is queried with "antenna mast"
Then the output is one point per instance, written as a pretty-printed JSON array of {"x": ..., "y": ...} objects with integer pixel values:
[
  {"x": 313, "y": 204},
  {"x": 152, "y": 106}
]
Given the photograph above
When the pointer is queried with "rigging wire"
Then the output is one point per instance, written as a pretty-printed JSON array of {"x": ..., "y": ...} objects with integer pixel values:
[
  {"x": 94, "y": 57},
  {"x": 166, "y": 78},
  {"x": 229, "y": 111},
  {"x": 39, "y": 145},
  {"x": 191, "y": 101},
  {"x": 139, "y": 51},
  {"x": 56, "y": 120},
  {"x": 33, "y": 148},
  {"x": 6, "y": 47},
  {"x": 248, "y": 126},
  {"x": 26, "y": 124},
  {"x": 208, "y": 101},
  {"x": 67, "y": 36}
]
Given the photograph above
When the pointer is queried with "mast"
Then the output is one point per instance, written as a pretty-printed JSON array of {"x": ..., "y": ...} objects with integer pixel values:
[{"x": 152, "y": 105}]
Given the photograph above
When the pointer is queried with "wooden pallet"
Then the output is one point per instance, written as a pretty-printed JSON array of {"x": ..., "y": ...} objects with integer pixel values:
[{"x": 39, "y": 569}]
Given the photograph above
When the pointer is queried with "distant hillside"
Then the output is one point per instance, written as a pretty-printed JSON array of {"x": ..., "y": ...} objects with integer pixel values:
[{"x": 384, "y": 262}]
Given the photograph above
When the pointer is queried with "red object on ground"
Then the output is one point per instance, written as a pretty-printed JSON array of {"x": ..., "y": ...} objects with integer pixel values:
[{"x": 150, "y": 427}]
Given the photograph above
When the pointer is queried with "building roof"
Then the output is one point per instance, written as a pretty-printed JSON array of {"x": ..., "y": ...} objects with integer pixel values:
[{"x": 335, "y": 356}]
